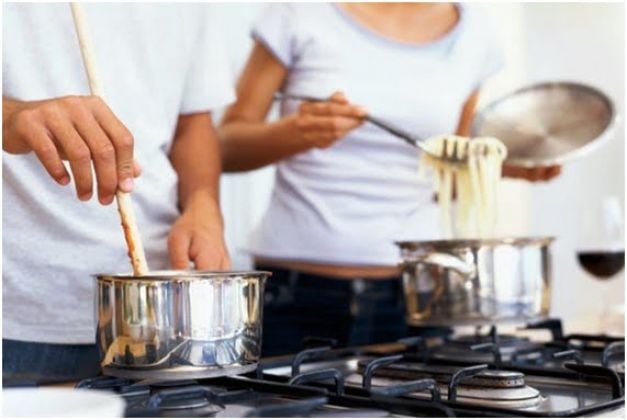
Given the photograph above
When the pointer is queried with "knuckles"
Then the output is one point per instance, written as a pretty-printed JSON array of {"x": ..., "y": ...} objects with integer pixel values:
[
  {"x": 23, "y": 122},
  {"x": 79, "y": 155},
  {"x": 106, "y": 153},
  {"x": 47, "y": 150},
  {"x": 125, "y": 140}
]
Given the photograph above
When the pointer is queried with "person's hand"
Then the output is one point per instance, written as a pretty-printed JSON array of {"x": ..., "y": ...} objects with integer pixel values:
[
  {"x": 540, "y": 173},
  {"x": 198, "y": 236},
  {"x": 321, "y": 124},
  {"x": 80, "y": 129}
]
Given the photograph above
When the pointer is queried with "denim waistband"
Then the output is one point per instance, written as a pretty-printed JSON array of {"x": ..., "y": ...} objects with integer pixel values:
[{"x": 308, "y": 280}]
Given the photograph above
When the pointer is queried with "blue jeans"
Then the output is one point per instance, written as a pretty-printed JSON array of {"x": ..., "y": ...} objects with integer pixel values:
[
  {"x": 353, "y": 312},
  {"x": 26, "y": 363}
]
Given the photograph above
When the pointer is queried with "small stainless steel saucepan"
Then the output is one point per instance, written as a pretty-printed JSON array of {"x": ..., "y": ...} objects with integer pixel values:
[
  {"x": 179, "y": 324},
  {"x": 483, "y": 281}
]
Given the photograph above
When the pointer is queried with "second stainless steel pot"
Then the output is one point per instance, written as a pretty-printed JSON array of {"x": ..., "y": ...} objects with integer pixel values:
[
  {"x": 457, "y": 282},
  {"x": 179, "y": 324}
]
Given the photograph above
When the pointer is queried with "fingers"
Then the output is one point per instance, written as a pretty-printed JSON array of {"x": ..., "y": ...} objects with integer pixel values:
[
  {"x": 322, "y": 132},
  {"x": 137, "y": 169},
  {"x": 178, "y": 249},
  {"x": 83, "y": 130},
  {"x": 77, "y": 152},
  {"x": 533, "y": 174},
  {"x": 338, "y": 109},
  {"x": 540, "y": 173},
  {"x": 333, "y": 125},
  {"x": 207, "y": 255},
  {"x": 121, "y": 140},
  {"x": 184, "y": 246},
  {"x": 552, "y": 172},
  {"x": 46, "y": 151},
  {"x": 338, "y": 97},
  {"x": 103, "y": 155},
  {"x": 320, "y": 124},
  {"x": 225, "y": 263}
]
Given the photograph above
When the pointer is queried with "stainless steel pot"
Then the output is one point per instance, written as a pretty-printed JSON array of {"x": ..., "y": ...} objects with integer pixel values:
[
  {"x": 179, "y": 324},
  {"x": 457, "y": 282}
]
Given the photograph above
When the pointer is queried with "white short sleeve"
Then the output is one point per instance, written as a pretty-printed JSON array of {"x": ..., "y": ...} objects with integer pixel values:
[
  {"x": 208, "y": 84},
  {"x": 491, "y": 59},
  {"x": 275, "y": 30}
]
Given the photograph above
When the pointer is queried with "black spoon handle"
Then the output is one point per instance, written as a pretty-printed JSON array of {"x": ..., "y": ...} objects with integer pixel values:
[{"x": 401, "y": 134}]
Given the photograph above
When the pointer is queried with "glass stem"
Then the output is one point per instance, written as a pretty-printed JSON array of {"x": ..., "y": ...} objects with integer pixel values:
[{"x": 605, "y": 310}]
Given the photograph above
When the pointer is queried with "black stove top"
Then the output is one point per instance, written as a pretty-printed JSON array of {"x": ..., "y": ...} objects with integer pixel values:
[{"x": 427, "y": 375}]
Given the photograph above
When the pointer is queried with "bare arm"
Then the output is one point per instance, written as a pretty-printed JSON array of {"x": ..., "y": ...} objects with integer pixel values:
[
  {"x": 248, "y": 142},
  {"x": 468, "y": 113},
  {"x": 197, "y": 235}
]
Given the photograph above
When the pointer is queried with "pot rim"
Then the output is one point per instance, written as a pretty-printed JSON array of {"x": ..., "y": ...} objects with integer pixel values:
[
  {"x": 181, "y": 275},
  {"x": 454, "y": 243}
]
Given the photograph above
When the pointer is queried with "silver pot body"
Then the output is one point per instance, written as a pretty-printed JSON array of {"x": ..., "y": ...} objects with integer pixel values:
[
  {"x": 179, "y": 324},
  {"x": 462, "y": 282}
]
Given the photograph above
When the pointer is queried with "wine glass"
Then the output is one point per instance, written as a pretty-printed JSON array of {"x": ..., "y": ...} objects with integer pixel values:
[{"x": 601, "y": 254}]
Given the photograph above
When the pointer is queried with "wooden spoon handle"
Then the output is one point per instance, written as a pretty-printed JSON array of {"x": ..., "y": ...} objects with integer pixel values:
[{"x": 123, "y": 200}]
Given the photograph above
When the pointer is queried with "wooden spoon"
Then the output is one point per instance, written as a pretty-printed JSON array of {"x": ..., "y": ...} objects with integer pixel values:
[{"x": 123, "y": 200}]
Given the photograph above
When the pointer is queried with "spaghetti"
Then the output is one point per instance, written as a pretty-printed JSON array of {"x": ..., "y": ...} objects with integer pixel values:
[{"x": 475, "y": 178}]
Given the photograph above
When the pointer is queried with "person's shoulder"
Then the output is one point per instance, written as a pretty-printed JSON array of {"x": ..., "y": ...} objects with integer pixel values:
[
  {"x": 298, "y": 11},
  {"x": 477, "y": 18}
]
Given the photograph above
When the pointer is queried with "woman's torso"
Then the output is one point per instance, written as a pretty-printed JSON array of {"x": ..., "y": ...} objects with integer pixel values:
[{"x": 345, "y": 206}]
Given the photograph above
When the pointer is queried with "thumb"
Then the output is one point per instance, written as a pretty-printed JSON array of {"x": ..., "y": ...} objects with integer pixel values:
[
  {"x": 338, "y": 97},
  {"x": 137, "y": 168}
]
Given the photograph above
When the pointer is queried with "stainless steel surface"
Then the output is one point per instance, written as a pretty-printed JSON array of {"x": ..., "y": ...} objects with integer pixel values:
[
  {"x": 442, "y": 373},
  {"x": 510, "y": 281},
  {"x": 179, "y": 324},
  {"x": 179, "y": 372},
  {"x": 546, "y": 396},
  {"x": 548, "y": 123},
  {"x": 515, "y": 398}
]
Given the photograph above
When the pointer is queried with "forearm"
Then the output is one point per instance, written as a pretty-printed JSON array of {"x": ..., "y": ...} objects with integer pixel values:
[
  {"x": 468, "y": 112},
  {"x": 247, "y": 145},
  {"x": 195, "y": 157}
]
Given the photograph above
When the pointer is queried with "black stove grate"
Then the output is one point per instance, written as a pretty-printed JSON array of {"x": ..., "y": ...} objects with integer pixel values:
[{"x": 315, "y": 381}]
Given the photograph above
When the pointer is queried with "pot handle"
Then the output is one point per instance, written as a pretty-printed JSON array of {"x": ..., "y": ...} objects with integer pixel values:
[{"x": 443, "y": 260}]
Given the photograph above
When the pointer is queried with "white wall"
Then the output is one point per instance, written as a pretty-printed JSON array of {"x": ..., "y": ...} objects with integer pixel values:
[
  {"x": 575, "y": 41},
  {"x": 244, "y": 196},
  {"x": 582, "y": 42}
]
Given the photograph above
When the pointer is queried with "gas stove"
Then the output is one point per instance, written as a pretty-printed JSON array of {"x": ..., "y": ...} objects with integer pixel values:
[{"x": 435, "y": 373}]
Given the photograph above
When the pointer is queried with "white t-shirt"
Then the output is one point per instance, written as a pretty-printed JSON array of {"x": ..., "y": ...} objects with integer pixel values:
[
  {"x": 348, "y": 204},
  {"x": 156, "y": 61}
]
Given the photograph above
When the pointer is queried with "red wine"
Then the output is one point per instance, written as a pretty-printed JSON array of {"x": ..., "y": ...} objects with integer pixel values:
[{"x": 602, "y": 264}]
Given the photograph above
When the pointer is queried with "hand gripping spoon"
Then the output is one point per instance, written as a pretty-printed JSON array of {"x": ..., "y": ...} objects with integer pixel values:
[
  {"x": 454, "y": 157},
  {"x": 125, "y": 208}
]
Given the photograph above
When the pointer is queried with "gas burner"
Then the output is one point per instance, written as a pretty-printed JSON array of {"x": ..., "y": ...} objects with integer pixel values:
[
  {"x": 173, "y": 384},
  {"x": 177, "y": 373},
  {"x": 492, "y": 349},
  {"x": 183, "y": 401},
  {"x": 476, "y": 375},
  {"x": 470, "y": 339}
]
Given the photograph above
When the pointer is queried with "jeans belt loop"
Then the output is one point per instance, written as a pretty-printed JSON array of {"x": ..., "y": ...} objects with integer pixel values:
[{"x": 358, "y": 286}]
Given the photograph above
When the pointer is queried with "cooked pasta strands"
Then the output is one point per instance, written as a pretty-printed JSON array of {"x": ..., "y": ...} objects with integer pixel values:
[
  {"x": 476, "y": 182},
  {"x": 444, "y": 198}
]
